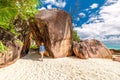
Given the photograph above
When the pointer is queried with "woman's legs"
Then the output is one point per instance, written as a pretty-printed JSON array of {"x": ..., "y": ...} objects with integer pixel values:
[{"x": 42, "y": 54}]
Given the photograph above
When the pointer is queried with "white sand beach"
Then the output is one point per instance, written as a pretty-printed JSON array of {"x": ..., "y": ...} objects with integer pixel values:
[{"x": 69, "y": 68}]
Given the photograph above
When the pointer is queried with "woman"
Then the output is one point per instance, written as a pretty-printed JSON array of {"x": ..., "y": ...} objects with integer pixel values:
[{"x": 42, "y": 50}]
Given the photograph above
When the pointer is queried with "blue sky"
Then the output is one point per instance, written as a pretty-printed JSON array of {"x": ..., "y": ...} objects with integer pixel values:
[
  {"x": 97, "y": 19},
  {"x": 78, "y": 9}
]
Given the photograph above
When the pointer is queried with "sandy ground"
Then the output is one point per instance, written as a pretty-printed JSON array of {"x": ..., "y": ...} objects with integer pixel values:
[{"x": 69, "y": 68}]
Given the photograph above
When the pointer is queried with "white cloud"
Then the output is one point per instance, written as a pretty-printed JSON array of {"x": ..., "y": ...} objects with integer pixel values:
[
  {"x": 49, "y": 1},
  {"x": 42, "y": 8},
  {"x": 49, "y": 6},
  {"x": 77, "y": 19},
  {"x": 82, "y": 15},
  {"x": 93, "y": 6},
  {"x": 58, "y": 3},
  {"x": 74, "y": 25},
  {"x": 108, "y": 28}
]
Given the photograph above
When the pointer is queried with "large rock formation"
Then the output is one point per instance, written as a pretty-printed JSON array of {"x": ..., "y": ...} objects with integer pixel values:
[
  {"x": 22, "y": 27},
  {"x": 13, "y": 45},
  {"x": 116, "y": 58},
  {"x": 54, "y": 28},
  {"x": 115, "y": 54},
  {"x": 91, "y": 49}
]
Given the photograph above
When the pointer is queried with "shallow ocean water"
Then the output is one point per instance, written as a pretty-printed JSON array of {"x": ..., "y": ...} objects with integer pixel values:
[{"x": 112, "y": 45}]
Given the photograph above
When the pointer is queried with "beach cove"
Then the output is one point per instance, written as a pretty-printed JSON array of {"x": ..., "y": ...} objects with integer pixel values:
[{"x": 68, "y": 68}]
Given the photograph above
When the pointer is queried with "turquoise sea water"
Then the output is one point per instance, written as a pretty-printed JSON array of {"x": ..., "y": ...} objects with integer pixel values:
[
  {"x": 117, "y": 47},
  {"x": 113, "y": 45}
]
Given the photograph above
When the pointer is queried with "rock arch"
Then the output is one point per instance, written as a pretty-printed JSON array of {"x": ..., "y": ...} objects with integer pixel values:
[{"x": 56, "y": 26}]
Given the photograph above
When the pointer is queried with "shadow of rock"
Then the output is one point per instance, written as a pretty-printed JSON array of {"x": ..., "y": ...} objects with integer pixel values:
[{"x": 34, "y": 55}]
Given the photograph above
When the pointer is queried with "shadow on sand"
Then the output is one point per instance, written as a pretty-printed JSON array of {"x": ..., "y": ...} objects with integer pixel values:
[{"x": 34, "y": 55}]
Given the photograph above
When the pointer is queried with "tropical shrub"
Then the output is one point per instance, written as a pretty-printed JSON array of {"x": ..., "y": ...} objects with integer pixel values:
[
  {"x": 75, "y": 36},
  {"x": 3, "y": 48}
]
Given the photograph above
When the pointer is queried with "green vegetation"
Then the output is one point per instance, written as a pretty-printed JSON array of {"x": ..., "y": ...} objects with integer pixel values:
[
  {"x": 3, "y": 48},
  {"x": 75, "y": 36},
  {"x": 34, "y": 47},
  {"x": 11, "y": 9},
  {"x": 18, "y": 41},
  {"x": 33, "y": 38}
]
